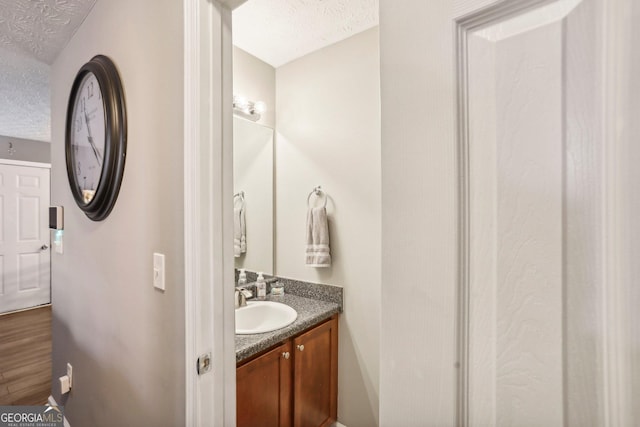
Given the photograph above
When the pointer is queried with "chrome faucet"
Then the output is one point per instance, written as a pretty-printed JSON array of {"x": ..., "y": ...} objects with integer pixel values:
[{"x": 241, "y": 296}]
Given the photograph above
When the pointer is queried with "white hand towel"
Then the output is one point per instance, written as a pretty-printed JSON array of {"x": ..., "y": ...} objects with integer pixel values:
[
  {"x": 318, "y": 252},
  {"x": 239, "y": 231}
]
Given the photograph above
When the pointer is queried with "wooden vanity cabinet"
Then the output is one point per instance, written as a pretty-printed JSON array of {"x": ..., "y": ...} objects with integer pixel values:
[
  {"x": 263, "y": 390},
  {"x": 315, "y": 376},
  {"x": 298, "y": 391}
]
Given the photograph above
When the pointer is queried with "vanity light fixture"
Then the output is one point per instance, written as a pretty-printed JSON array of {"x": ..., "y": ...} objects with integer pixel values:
[{"x": 248, "y": 109}]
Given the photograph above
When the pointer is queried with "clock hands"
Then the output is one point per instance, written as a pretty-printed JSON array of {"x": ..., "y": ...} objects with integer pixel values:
[{"x": 89, "y": 136}]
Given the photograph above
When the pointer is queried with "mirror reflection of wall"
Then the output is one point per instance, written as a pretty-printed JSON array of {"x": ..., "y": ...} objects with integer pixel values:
[
  {"x": 253, "y": 182},
  {"x": 253, "y": 154}
]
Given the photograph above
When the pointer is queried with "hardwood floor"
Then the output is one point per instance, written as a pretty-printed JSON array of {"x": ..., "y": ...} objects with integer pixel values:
[{"x": 25, "y": 357}]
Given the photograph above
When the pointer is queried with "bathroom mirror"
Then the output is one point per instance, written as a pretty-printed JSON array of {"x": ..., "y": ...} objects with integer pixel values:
[{"x": 253, "y": 189}]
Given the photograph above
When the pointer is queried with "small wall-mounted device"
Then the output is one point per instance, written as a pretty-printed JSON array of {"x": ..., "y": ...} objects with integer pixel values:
[{"x": 56, "y": 217}]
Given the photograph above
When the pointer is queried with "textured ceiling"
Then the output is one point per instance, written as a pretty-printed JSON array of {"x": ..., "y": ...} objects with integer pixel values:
[
  {"x": 41, "y": 27},
  {"x": 279, "y": 31},
  {"x": 24, "y": 97},
  {"x": 32, "y": 34}
]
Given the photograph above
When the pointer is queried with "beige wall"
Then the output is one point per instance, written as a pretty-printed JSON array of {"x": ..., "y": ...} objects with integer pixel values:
[
  {"x": 417, "y": 351},
  {"x": 328, "y": 134},
  {"x": 124, "y": 338},
  {"x": 25, "y": 149}
]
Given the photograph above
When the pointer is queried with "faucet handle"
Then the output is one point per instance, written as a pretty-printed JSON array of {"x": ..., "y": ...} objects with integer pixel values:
[
  {"x": 244, "y": 291},
  {"x": 241, "y": 296},
  {"x": 240, "y": 300}
]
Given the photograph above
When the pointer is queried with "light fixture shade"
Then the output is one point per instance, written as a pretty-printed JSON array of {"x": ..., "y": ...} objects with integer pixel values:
[
  {"x": 240, "y": 102},
  {"x": 248, "y": 109},
  {"x": 260, "y": 107}
]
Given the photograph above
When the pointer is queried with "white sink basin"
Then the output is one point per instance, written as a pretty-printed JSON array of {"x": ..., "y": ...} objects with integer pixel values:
[{"x": 263, "y": 316}]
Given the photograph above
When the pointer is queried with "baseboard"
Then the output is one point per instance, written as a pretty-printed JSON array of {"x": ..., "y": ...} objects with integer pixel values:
[{"x": 53, "y": 402}]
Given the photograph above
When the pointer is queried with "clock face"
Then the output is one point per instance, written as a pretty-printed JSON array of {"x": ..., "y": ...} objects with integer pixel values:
[{"x": 87, "y": 136}]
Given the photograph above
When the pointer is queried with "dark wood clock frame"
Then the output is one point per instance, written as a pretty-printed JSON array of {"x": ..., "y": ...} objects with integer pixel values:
[{"x": 115, "y": 138}]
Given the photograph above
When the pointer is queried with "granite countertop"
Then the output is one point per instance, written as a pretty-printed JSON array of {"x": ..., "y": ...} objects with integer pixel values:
[{"x": 310, "y": 313}]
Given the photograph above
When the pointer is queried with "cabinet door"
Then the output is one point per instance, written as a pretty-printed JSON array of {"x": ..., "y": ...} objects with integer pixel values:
[
  {"x": 315, "y": 401},
  {"x": 263, "y": 390}
]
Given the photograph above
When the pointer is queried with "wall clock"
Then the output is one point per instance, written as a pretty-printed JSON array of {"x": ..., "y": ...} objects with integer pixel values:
[{"x": 96, "y": 137}]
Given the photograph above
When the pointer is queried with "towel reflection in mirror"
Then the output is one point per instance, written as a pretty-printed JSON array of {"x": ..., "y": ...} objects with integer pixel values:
[{"x": 239, "y": 225}]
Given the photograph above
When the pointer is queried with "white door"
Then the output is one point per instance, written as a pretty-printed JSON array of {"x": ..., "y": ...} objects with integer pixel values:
[
  {"x": 24, "y": 237},
  {"x": 538, "y": 84},
  {"x": 527, "y": 199}
]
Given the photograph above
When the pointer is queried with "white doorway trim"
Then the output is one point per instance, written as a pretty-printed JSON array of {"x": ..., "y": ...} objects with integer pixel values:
[
  {"x": 208, "y": 222},
  {"x": 617, "y": 283},
  {"x": 25, "y": 163}
]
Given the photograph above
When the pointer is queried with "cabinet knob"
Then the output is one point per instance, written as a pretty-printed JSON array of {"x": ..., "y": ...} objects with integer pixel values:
[
  {"x": 286, "y": 355},
  {"x": 301, "y": 347}
]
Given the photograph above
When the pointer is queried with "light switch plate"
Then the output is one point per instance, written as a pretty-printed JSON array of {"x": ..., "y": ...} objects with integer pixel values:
[
  {"x": 158, "y": 271},
  {"x": 70, "y": 374},
  {"x": 64, "y": 384}
]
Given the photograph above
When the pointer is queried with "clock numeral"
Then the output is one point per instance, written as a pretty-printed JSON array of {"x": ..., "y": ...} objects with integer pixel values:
[{"x": 90, "y": 90}]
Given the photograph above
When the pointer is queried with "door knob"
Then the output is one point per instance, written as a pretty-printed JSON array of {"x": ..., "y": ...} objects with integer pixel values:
[
  {"x": 44, "y": 247},
  {"x": 286, "y": 354},
  {"x": 301, "y": 347}
]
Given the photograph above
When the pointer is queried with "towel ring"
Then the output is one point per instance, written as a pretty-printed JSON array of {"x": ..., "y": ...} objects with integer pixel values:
[
  {"x": 238, "y": 199},
  {"x": 318, "y": 193}
]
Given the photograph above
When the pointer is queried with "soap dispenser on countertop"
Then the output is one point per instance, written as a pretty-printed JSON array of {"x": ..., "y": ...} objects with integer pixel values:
[
  {"x": 242, "y": 279},
  {"x": 261, "y": 286}
]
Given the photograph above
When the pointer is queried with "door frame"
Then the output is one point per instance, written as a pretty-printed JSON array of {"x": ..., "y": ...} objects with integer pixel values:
[
  {"x": 26, "y": 163},
  {"x": 208, "y": 214},
  {"x": 616, "y": 365},
  {"x": 616, "y": 284}
]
